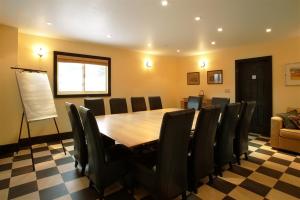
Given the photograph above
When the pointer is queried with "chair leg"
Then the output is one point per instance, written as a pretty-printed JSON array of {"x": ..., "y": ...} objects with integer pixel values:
[
  {"x": 83, "y": 170},
  {"x": 183, "y": 196},
  {"x": 76, "y": 163},
  {"x": 211, "y": 179},
  {"x": 221, "y": 173},
  {"x": 101, "y": 194},
  {"x": 230, "y": 165},
  {"x": 246, "y": 156},
  {"x": 218, "y": 171},
  {"x": 238, "y": 159}
]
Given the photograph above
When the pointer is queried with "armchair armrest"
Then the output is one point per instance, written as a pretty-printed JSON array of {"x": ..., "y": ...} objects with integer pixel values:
[{"x": 276, "y": 125}]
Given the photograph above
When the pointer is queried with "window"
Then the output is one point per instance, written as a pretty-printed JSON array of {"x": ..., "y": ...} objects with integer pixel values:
[{"x": 77, "y": 75}]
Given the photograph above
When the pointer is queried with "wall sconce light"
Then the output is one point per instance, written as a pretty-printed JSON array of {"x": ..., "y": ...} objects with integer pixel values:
[
  {"x": 40, "y": 51},
  {"x": 202, "y": 64},
  {"x": 148, "y": 63}
]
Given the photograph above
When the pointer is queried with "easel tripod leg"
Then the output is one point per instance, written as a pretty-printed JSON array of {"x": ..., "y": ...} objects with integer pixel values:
[
  {"x": 18, "y": 146},
  {"x": 30, "y": 146},
  {"x": 59, "y": 136}
]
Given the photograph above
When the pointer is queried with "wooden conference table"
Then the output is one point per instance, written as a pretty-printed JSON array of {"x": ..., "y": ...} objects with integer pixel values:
[{"x": 137, "y": 128}]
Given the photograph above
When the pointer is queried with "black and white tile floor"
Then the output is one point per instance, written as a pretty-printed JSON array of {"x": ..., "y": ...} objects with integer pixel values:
[{"x": 268, "y": 174}]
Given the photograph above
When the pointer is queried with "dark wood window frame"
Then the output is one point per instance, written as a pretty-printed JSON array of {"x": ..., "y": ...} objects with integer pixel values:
[{"x": 57, "y": 53}]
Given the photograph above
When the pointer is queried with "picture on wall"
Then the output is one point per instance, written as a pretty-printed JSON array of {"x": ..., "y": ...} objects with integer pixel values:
[
  {"x": 215, "y": 77},
  {"x": 193, "y": 78},
  {"x": 292, "y": 74}
]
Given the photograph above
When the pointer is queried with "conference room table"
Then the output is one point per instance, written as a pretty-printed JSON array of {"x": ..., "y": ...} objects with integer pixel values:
[{"x": 136, "y": 128}]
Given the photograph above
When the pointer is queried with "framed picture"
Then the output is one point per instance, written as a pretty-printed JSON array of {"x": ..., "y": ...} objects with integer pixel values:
[
  {"x": 215, "y": 77},
  {"x": 193, "y": 78},
  {"x": 292, "y": 74}
]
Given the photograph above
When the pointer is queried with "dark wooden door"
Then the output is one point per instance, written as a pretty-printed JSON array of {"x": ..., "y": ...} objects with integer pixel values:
[{"x": 254, "y": 83}]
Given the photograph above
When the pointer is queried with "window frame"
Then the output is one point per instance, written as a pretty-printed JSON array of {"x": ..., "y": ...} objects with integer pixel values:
[{"x": 55, "y": 84}]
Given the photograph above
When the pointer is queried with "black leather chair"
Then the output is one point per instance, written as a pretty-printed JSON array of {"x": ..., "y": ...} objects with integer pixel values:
[
  {"x": 241, "y": 135},
  {"x": 118, "y": 105},
  {"x": 80, "y": 147},
  {"x": 168, "y": 179},
  {"x": 138, "y": 104},
  {"x": 106, "y": 165},
  {"x": 195, "y": 102},
  {"x": 224, "y": 137},
  {"x": 155, "y": 103},
  {"x": 95, "y": 105},
  {"x": 201, "y": 159},
  {"x": 223, "y": 102}
]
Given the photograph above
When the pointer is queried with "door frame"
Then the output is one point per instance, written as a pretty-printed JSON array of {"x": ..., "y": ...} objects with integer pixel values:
[{"x": 255, "y": 59}]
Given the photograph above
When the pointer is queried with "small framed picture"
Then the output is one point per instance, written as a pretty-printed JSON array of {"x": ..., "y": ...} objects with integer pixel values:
[
  {"x": 193, "y": 78},
  {"x": 215, "y": 77},
  {"x": 292, "y": 74}
]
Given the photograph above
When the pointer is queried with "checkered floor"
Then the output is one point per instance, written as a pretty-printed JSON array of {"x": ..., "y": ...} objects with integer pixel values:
[{"x": 268, "y": 174}]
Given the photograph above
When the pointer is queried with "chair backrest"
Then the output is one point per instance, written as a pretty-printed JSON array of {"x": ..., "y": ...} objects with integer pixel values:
[
  {"x": 138, "y": 104},
  {"x": 243, "y": 126},
  {"x": 118, "y": 105},
  {"x": 172, "y": 153},
  {"x": 226, "y": 134},
  {"x": 80, "y": 147},
  {"x": 220, "y": 101},
  {"x": 202, "y": 145},
  {"x": 155, "y": 102},
  {"x": 95, "y": 105},
  {"x": 195, "y": 102},
  {"x": 94, "y": 138}
]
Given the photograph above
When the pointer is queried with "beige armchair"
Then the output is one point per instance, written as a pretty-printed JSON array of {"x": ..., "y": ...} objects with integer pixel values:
[{"x": 282, "y": 138}]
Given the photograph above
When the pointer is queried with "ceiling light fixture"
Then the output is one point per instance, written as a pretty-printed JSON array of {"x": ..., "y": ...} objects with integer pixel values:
[
  {"x": 49, "y": 23},
  {"x": 197, "y": 18},
  {"x": 178, "y": 51},
  {"x": 108, "y": 36},
  {"x": 213, "y": 42},
  {"x": 164, "y": 3},
  {"x": 149, "y": 45},
  {"x": 220, "y": 29},
  {"x": 268, "y": 30}
]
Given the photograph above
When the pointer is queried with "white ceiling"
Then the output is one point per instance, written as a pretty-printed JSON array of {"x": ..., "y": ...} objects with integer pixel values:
[{"x": 135, "y": 23}]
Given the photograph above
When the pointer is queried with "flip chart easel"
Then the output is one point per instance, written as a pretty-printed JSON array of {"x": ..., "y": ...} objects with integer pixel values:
[{"x": 37, "y": 101}]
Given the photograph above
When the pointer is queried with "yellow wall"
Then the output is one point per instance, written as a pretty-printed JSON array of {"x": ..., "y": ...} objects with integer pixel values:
[
  {"x": 129, "y": 78},
  {"x": 167, "y": 78},
  {"x": 9, "y": 100},
  {"x": 283, "y": 52}
]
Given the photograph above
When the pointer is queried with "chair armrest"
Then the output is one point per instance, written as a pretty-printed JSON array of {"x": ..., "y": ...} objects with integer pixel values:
[{"x": 276, "y": 125}]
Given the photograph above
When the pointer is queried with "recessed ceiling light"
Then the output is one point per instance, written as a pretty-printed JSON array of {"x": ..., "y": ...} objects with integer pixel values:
[
  {"x": 164, "y": 3},
  {"x": 213, "y": 42},
  {"x": 197, "y": 18},
  {"x": 268, "y": 30},
  {"x": 178, "y": 50},
  {"x": 220, "y": 29},
  {"x": 49, "y": 23},
  {"x": 149, "y": 45},
  {"x": 108, "y": 36}
]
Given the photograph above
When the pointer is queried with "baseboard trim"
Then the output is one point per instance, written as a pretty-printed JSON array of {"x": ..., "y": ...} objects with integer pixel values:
[{"x": 8, "y": 148}]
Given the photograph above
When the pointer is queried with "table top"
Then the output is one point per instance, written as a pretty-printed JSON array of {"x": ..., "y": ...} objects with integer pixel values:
[{"x": 133, "y": 129}]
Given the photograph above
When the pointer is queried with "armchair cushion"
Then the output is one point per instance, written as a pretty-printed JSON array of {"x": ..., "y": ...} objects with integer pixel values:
[
  {"x": 287, "y": 123},
  {"x": 290, "y": 133},
  {"x": 296, "y": 120}
]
